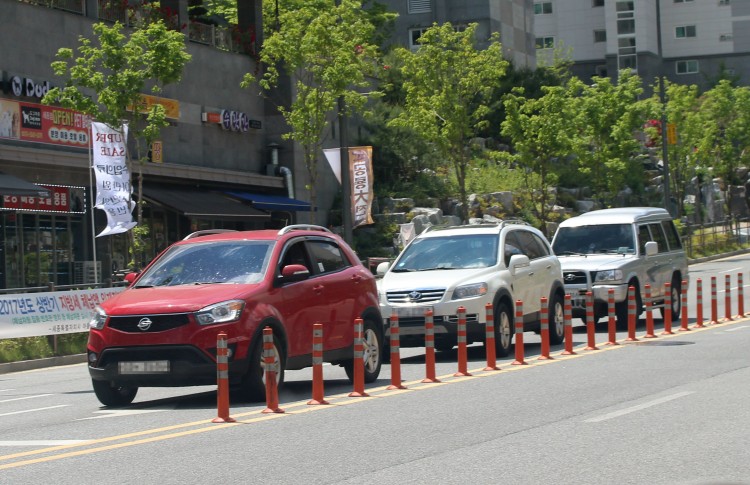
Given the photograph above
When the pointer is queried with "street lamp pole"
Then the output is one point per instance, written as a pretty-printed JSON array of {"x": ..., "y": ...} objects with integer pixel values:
[{"x": 663, "y": 99}]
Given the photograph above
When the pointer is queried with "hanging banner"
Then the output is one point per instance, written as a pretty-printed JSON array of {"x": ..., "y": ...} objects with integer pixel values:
[
  {"x": 360, "y": 168},
  {"x": 333, "y": 155},
  {"x": 113, "y": 188}
]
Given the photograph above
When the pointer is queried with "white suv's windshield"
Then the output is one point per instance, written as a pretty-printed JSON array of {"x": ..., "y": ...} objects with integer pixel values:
[
  {"x": 243, "y": 262},
  {"x": 449, "y": 252},
  {"x": 601, "y": 238}
]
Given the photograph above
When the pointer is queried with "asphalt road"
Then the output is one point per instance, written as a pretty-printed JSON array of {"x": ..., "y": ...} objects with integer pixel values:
[{"x": 668, "y": 410}]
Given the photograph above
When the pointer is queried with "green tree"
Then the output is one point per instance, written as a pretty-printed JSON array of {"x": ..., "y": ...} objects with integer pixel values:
[
  {"x": 723, "y": 145},
  {"x": 448, "y": 84},
  {"x": 106, "y": 80},
  {"x": 609, "y": 115},
  {"x": 543, "y": 133},
  {"x": 325, "y": 47}
]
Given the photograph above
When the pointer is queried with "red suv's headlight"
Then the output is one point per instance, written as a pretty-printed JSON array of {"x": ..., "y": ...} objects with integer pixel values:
[
  {"x": 226, "y": 311},
  {"x": 98, "y": 319}
]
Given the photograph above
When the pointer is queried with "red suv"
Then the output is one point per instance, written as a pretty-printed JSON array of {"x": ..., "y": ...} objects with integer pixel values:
[{"x": 162, "y": 330}]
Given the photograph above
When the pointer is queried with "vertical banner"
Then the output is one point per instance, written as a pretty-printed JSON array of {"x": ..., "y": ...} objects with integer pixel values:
[
  {"x": 113, "y": 189},
  {"x": 360, "y": 168}
]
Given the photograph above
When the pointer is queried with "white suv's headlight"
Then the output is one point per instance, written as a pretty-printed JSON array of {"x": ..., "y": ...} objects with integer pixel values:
[
  {"x": 470, "y": 291},
  {"x": 226, "y": 311},
  {"x": 608, "y": 275},
  {"x": 98, "y": 319}
]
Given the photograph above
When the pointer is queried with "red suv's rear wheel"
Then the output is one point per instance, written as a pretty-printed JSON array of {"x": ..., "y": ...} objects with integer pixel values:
[{"x": 373, "y": 356}]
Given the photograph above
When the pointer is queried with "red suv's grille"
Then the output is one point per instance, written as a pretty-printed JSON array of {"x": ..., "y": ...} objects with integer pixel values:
[{"x": 139, "y": 323}]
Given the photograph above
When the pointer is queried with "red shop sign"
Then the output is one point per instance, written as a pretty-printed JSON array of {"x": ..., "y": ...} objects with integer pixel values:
[{"x": 59, "y": 200}]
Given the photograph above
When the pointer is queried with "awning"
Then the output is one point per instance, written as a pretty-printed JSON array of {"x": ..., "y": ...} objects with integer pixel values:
[
  {"x": 10, "y": 185},
  {"x": 272, "y": 202},
  {"x": 202, "y": 204}
]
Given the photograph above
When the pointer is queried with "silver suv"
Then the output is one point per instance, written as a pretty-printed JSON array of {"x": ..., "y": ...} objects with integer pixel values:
[
  {"x": 470, "y": 266},
  {"x": 618, "y": 248}
]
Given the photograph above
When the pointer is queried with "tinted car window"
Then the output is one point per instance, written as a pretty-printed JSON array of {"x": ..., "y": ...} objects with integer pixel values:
[
  {"x": 658, "y": 235},
  {"x": 644, "y": 236},
  {"x": 530, "y": 245},
  {"x": 672, "y": 236},
  {"x": 296, "y": 254},
  {"x": 512, "y": 246},
  {"x": 327, "y": 256}
]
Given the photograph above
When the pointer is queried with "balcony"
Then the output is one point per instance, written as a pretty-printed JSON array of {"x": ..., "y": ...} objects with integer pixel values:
[{"x": 74, "y": 6}]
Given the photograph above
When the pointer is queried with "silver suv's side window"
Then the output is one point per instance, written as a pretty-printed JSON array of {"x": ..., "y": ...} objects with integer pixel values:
[
  {"x": 644, "y": 236},
  {"x": 531, "y": 245},
  {"x": 671, "y": 231},
  {"x": 658, "y": 235}
]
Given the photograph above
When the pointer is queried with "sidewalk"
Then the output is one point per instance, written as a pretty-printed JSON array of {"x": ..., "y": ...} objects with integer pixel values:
[{"x": 41, "y": 363}]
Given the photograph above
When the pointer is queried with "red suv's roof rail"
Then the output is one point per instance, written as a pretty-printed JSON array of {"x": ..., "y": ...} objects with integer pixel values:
[
  {"x": 206, "y": 232},
  {"x": 302, "y": 227}
]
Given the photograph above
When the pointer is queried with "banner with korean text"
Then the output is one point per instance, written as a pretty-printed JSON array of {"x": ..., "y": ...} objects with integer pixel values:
[
  {"x": 50, "y": 313},
  {"x": 360, "y": 166},
  {"x": 113, "y": 188}
]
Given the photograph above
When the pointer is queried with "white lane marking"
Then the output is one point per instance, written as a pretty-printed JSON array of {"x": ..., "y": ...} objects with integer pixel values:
[
  {"x": 34, "y": 410},
  {"x": 6, "y": 390},
  {"x": 736, "y": 328},
  {"x": 639, "y": 407},
  {"x": 43, "y": 442},
  {"x": 729, "y": 270},
  {"x": 25, "y": 397},
  {"x": 122, "y": 412}
]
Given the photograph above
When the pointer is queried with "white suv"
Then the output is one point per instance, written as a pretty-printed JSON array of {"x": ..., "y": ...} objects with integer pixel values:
[
  {"x": 469, "y": 266},
  {"x": 618, "y": 248}
]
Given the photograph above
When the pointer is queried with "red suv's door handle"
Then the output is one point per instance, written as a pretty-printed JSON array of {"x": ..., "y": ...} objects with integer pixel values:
[
  {"x": 356, "y": 278},
  {"x": 318, "y": 288}
]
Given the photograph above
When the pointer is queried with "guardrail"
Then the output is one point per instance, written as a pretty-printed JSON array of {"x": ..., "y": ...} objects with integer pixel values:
[{"x": 725, "y": 236}]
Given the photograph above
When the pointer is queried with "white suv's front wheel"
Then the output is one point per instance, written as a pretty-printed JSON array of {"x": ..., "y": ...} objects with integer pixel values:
[{"x": 503, "y": 330}]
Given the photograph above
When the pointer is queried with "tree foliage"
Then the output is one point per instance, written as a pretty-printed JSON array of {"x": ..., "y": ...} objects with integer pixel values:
[
  {"x": 107, "y": 77},
  {"x": 326, "y": 47},
  {"x": 448, "y": 84}
]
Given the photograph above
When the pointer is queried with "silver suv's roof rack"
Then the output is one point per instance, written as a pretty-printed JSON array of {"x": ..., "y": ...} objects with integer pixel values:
[
  {"x": 302, "y": 227},
  {"x": 206, "y": 232}
]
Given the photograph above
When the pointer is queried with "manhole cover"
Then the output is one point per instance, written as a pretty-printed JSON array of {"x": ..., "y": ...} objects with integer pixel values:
[{"x": 662, "y": 343}]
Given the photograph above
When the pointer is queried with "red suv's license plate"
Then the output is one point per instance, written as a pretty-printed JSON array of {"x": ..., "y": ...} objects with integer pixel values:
[{"x": 145, "y": 367}]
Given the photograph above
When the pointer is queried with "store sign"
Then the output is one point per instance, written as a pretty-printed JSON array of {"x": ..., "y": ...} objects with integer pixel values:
[
  {"x": 231, "y": 120},
  {"x": 26, "y": 86},
  {"x": 171, "y": 106},
  {"x": 31, "y": 122},
  {"x": 61, "y": 199}
]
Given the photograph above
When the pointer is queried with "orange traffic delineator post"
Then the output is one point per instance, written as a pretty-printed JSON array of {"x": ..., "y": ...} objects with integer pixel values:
[
  {"x": 395, "y": 355},
  {"x": 544, "y": 329},
  {"x": 590, "y": 322},
  {"x": 519, "y": 335},
  {"x": 666, "y": 310},
  {"x": 612, "y": 318},
  {"x": 272, "y": 390},
  {"x": 683, "y": 307},
  {"x": 489, "y": 338},
  {"x": 358, "y": 365},
  {"x": 568, "y": 326},
  {"x": 740, "y": 296},
  {"x": 728, "y": 297},
  {"x": 463, "y": 357},
  {"x": 698, "y": 303},
  {"x": 649, "y": 312},
  {"x": 429, "y": 348},
  {"x": 714, "y": 310},
  {"x": 222, "y": 381},
  {"x": 631, "y": 315},
  {"x": 317, "y": 366}
]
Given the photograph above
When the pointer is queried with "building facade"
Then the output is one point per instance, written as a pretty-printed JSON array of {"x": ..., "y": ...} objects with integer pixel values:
[
  {"x": 513, "y": 19},
  {"x": 220, "y": 164},
  {"x": 688, "y": 41}
]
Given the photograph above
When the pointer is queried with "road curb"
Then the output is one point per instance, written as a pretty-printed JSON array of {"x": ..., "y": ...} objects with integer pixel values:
[{"x": 41, "y": 363}]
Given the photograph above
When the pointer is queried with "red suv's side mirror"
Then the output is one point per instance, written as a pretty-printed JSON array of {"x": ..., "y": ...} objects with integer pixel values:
[
  {"x": 294, "y": 272},
  {"x": 130, "y": 277}
]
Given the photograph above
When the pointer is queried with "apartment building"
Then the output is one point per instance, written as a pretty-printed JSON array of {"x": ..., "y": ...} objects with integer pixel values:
[
  {"x": 688, "y": 41},
  {"x": 220, "y": 164}
]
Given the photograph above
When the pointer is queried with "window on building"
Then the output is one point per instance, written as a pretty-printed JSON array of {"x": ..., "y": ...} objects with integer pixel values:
[
  {"x": 626, "y": 26},
  {"x": 541, "y": 8},
  {"x": 545, "y": 42},
  {"x": 682, "y": 1},
  {"x": 625, "y": 6},
  {"x": 597, "y": 3},
  {"x": 600, "y": 36},
  {"x": 687, "y": 67},
  {"x": 419, "y": 6},
  {"x": 725, "y": 37},
  {"x": 414, "y": 35},
  {"x": 684, "y": 31}
]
